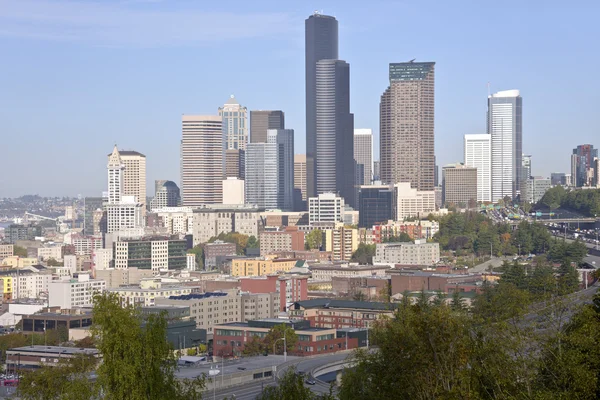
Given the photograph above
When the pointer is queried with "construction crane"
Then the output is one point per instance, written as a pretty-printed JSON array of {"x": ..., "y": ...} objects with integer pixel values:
[{"x": 37, "y": 217}]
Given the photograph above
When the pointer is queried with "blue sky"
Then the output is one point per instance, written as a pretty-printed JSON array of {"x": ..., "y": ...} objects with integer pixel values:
[{"x": 77, "y": 76}]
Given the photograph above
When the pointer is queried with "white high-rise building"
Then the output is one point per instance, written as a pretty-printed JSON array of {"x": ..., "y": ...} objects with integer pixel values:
[
  {"x": 233, "y": 191},
  {"x": 115, "y": 169},
  {"x": 363, "y": 155},
  {"x": 326, "y": 207},
  {"x": 505, "y": 115},
  {"x": 477, "y": 150},
  {"x": 202, "y": 162}
]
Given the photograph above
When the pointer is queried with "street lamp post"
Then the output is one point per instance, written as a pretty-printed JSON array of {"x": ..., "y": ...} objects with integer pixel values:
[
  {"x": 284, "y": 346},
  {"x": 213, "y": 374}
]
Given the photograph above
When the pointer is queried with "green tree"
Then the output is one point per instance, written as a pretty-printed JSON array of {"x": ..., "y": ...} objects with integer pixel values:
[
  {"x": 458, "y": 302},
  {"x": 252, "y": 243},
  {"x": 364, "y": 254},
  {"x": 314, "y": 239},
  {"x": 255, "y": 346},
  {"x": 359, "y": 296},
  {"x": 568, "y": 278},
  {"x": 198, "y": 250},
  {"x": 137, "y": 360},
  {"x": 274, "y": 339},
  {"x": 19, "y": 251},
  {"x": 526, "y": 206},
  {"x": 51, "y": 262},
  {"x": 69, "y": 380},
  {"x": 291, "y": 387}
]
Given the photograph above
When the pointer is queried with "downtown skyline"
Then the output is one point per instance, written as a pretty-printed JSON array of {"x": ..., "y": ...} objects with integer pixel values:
[{"x": 460, "y": 103}]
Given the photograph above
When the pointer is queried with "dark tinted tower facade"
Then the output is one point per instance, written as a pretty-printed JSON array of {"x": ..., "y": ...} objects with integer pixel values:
[
  {"x": 263, "y": 120},
  {"x": 321, "y": 43},
  {"x": 407, "y": 125}
]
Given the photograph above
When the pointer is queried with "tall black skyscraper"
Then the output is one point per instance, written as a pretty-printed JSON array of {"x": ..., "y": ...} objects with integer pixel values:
[{"x": 321, "y": 43}]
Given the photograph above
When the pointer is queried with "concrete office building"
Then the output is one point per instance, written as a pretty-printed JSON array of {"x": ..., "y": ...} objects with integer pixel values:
[
  {"x": 233, "y": 191},
  {"x": 582, "y": 165},
  {"x": 90, "y": 205},
  {"x": 155, "y": 254},
  {"x": 558, "y": 178},
  {"x": 300, "y": 182},
  {"x": 235, "y": 163},
  {"x": 210, "y": 221},
  {"x": 478, "y": 153},
  {"x": 505, "y": 125},
  {"x": 326, "y": 207},
  {"x": 534, "y": 188},
  {"x": 459, "y": 185},
  {"x": 166, "y": 194},
  {"x": 235, "y": 129},
  {"x": 149, "y": 291},
  {"x": 15, "y": 232},
  {"x": 76, "y": 292},
  {"x": 202, "y": 160},
  {"x": 526, "y": 167},
  {"x": 176, "y": 220},
  {"x": 321, "y": 43},
  {"x": 407, "y": 125},
  {"x": 363, "y": 155},
  {"x": 375, "y": 205},
  {"x": 127, "y": 214},
  {"x": 263, "y": 120},
  {"x": 334, "y": 162},
  {"x": 418, "y": 253},
  {"x": 412, "y": 203},
  {"x": 134, "y": 176},
  {"x": 269, "y": 180}
]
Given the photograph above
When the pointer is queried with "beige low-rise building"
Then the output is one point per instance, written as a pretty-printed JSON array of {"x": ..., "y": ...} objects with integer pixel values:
[
  {"x": 19, "y": 262},
  {"x": 6, "y": 250},
  {"x": 123, "y": 277},
  {"x": 210, "y": 221},
  {"x": 418, "y": 253},
  {"x": 260, "y": 266},
  {"x": 149, "y": 290},
  {"x": 324, "y": 272}
]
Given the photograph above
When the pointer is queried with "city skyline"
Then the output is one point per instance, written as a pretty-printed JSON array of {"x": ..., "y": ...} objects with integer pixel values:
[{"x": 124, "y": 112}]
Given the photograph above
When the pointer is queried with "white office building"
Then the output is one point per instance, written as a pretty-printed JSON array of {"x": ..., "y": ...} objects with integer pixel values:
[
  {"x": 363, "y": 156},
  {"x": 127, "y": 214},
  {"x": 505, "y": 114},
  {"x": 411, "y": 203},
  {"x": 326, "y": 207},
  {"x": 233, "y": 191},
  {"x": 76, "y": 292},
  {"x": 177, "y": 220},
  {"x": 477, "y": 151}
]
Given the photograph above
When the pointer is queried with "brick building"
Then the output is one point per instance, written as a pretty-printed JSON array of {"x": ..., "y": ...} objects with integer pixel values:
[
  {"x": 331, "y": 313},
  {"x": 295, "y": 288},
  {"x": 291, "y": 239},
  {"x": 216, "y": 250},
  {"x": 417, "y": 280},
  {"x": 371, "y": 287},
  {"x": 230, "y": 339}
]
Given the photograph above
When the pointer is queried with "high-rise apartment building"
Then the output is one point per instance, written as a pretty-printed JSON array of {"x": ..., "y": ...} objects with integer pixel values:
[
  {"x": 582, "y": 165},
  {"x": 166, "y": 194},
  {"x": 406, "y": 117},
  {"x": 363, "y": 155},
  {"x": 321, "y": 43},
  {"x": 504, "y": 124},
  {"x": 202, "y": 160},
  {"x": 269, "y": 180},
  {"x": 478, "y": 153},
  {"x": 263, "y": 120},
  {"x": 459, "y": 185},
  {"x": 526, "y": 167},
  {"x": 335, "y": 130},
  {"x": 300, "y": 182},
  {"x": 235, "y": 163},
  {"x": 235, "y": 129}
]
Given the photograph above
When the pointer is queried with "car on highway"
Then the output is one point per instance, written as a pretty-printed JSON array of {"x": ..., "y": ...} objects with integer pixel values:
[{"x": 310, "y": 381}]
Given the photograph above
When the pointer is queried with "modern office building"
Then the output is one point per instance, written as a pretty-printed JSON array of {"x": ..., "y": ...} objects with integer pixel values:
[
  {"x": 152, "y": 253},
  {"x": 376, "y": 171},
  {"x": 335, "y": 131},
  {"x": 134, "y": 176},
  {"x": 300, "y": 182},
  {"x": 126, "y": 214},
  {"x": 375, "y": 205},
  {"x": 235, "y": 129},
  {"x": 526, "y": 167},
  {"x": 235, "y": 163},
  {"x": 534, "y": 188},
  {"x": 90, "y": 205},
  {"x": 321, "y": 43},
  {"x": 459, "y": 185},
  {"x": 406, "y": 118},
  {"x": 558, "y": 178},
  {"x": 326, "y": 207},
  {"x": 233, "y": 191},
  {"x": 363, "y": 155},
  {"x": 269, "y": 180},
  {"x": 263, "y": 120},
  {"x": 166, "y": 194},
  {"x": 478, "y": 153},
  {"x": 202, "y": 160},
  {"x": 76, "y": 292},
  {"x": 582, "y": 165},
  {"x": 504, "y": 124}
]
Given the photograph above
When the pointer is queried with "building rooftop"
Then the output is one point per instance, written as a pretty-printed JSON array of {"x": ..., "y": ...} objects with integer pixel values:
[
  {"x": 128, "y": 153},
  {"x": 347, "y": 267},
  {"x": 332, "y": 303},
  {"x": 54, "y": 349},
  {"x": 198, "y": 296}
]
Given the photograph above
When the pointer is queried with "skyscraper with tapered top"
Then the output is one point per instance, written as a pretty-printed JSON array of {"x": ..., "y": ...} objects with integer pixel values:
[{"x": 235, "y": 128}]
